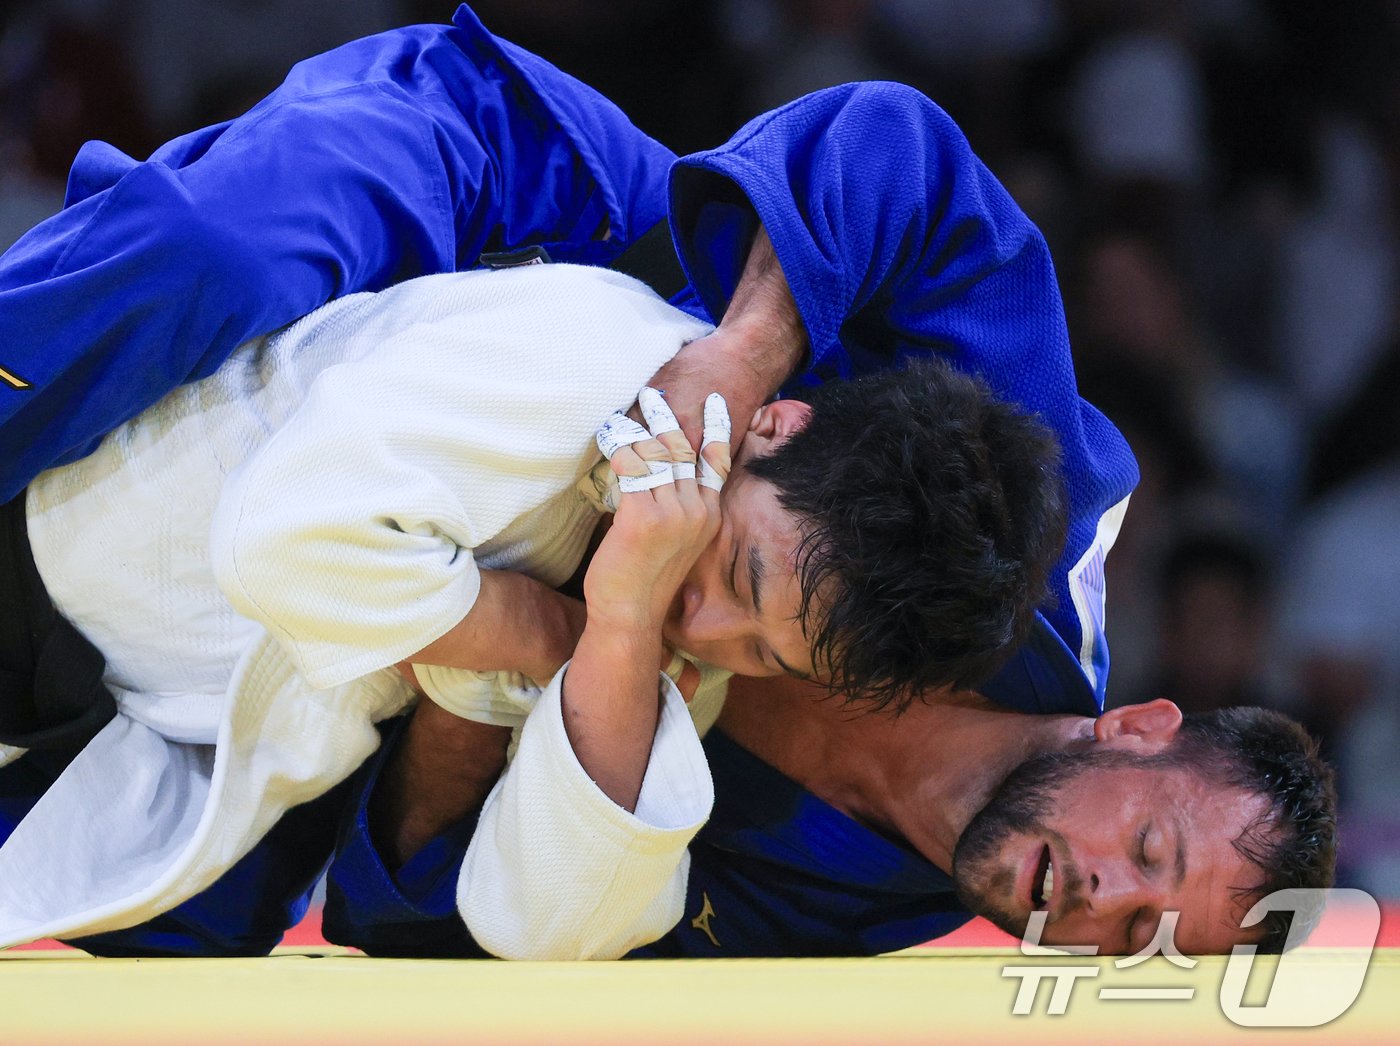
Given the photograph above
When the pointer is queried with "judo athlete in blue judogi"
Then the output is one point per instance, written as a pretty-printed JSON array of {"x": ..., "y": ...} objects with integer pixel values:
[{"x": 419, "y": 151}]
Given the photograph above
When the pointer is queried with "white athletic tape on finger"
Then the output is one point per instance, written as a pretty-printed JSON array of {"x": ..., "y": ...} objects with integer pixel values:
[
  {"x": 658, "y": 475},
  {"x": 617, "y": 432},
  {"x": 708, "y": 477},
  {"x": 717, "y": 430},
  {"x": 657, "y": 412},
  {"x": 683, "y": 469}
]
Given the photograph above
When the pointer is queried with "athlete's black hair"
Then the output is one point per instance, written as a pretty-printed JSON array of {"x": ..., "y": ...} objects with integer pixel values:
[
  {"x": 1293, "y": 842},
  {"x": 930, "y": 515}
]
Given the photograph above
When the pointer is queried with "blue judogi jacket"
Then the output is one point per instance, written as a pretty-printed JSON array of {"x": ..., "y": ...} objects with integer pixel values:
[
  {"x": 416, "y": 150},
  {"x": 775, "y": 871}
]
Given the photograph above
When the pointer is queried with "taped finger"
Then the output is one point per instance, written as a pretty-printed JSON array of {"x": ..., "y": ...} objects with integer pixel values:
[
  {"x": 667, "y": 430},
  {"x": 626, "y": 462},
  {"x": 714, "y": 466},
  {"x": 657, "y": 412},
  {"x": 717, "y": 428},
  {"x": 714, "y": 445},
  {"x": 635, "y": 473},
  {"x": 658, "y": 475},
  {"x": 619, "y": 431},
  {"x": 651, "y": 449}
]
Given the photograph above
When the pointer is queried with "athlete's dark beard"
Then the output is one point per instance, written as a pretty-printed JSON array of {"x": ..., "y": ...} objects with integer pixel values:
[{"x": 1020, "y": 806}]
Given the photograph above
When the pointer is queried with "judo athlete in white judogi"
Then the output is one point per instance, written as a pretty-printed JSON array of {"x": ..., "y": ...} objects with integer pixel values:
[{"x": 256, "y": 553}]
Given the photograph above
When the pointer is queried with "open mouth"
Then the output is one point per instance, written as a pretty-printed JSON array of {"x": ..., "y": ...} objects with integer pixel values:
[{"x": 1043, "y": 882}]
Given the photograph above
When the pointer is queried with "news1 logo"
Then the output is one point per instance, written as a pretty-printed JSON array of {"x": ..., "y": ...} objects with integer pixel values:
[{"x": 1305, "y": 991}]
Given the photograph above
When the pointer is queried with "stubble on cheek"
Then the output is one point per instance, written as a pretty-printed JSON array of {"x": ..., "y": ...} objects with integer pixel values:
[
  {"x": 985, "y": 888},
  {"x": 1000, "y": 884}
]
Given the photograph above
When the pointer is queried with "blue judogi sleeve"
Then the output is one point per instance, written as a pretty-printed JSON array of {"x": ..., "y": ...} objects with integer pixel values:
[
  {"x": 896, "y": 240},
  {"x": 401, "y": 154}
]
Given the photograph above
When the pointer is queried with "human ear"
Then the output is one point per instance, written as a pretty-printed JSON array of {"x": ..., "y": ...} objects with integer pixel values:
[
  {"x": 1146, "y": 727},
  {"x": 774, "y": 422}
]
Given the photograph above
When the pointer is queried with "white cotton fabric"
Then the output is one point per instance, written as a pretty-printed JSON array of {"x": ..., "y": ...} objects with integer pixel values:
[
  {"x": 255, "y": 550},
  {"x": 138, "y": 823},
  {"x": 556, "y": 870},
  {"x": 494, "y": 698}
]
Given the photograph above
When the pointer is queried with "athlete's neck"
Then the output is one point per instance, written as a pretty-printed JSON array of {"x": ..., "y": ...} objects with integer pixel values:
[{"x": 918, "y": 777}]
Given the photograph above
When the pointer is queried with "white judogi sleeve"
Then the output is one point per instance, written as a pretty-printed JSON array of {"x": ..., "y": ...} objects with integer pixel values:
[
  {"x": 557, "y": 870},
  {"x": 494, "y": 698}
]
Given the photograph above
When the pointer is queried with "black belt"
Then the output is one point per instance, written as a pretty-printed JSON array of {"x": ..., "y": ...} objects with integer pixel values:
[
  {"x": 51, "y": 690},
  {"x": 651, "y": 258}
]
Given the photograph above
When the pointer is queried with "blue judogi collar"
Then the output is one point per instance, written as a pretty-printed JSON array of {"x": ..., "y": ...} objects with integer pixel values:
[
  {"x": 763, "y": 812},
  {"x": 778, "y": 871}
]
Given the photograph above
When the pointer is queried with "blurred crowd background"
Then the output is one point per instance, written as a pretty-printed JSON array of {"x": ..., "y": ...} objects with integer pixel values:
[{"x": 1219, "y": 181}]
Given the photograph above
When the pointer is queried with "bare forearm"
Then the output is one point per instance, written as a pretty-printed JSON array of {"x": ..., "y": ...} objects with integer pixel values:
[
  {"x": 763, "y": 316},
  {"x": 611, "y": 704},
  {"x": 516, "y": 624},
  {"x": 610, "y": 693},
  {"x": 759, "y": 344},
  {"x": 441, "y": 773}
]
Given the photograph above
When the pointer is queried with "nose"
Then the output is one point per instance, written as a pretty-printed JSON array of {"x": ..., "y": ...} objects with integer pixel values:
[
  {"x": 714, "y": 618},
  {"x": 1109, "y": 901},
  {"x": 1115, "y": 888}
]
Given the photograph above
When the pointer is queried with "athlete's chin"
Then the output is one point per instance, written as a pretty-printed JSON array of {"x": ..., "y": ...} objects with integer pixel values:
[
  {"x": 985, "y": 885},
  {"x": 981, "y": 902}
]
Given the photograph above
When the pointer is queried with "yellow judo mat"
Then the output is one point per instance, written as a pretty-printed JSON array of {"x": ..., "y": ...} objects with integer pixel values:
[{"x": 329, "y": 996}]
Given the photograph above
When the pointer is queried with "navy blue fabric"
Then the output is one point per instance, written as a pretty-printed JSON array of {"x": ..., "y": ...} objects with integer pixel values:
[
  {"x": 409, "y": 913},
  {"x": 777, "y": 871},
  {"x": 780, "y": 871},
  {"x": 783, "y": 872},
  {"x": 51, "y": 690}
]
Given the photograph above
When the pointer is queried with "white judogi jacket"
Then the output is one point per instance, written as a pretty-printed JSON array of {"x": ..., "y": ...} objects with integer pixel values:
[{"x": 254, "y": 552}]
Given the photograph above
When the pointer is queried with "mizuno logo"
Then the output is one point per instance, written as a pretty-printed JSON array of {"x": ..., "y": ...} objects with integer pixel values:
[
  {"x": 13, "y": 380},
  {"x": 702, "y": 921}
]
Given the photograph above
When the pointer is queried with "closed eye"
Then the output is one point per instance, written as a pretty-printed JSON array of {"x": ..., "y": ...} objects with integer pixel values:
[
  {"x": 758, "y": 654},
  {"x": 789, "y": 670}
]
